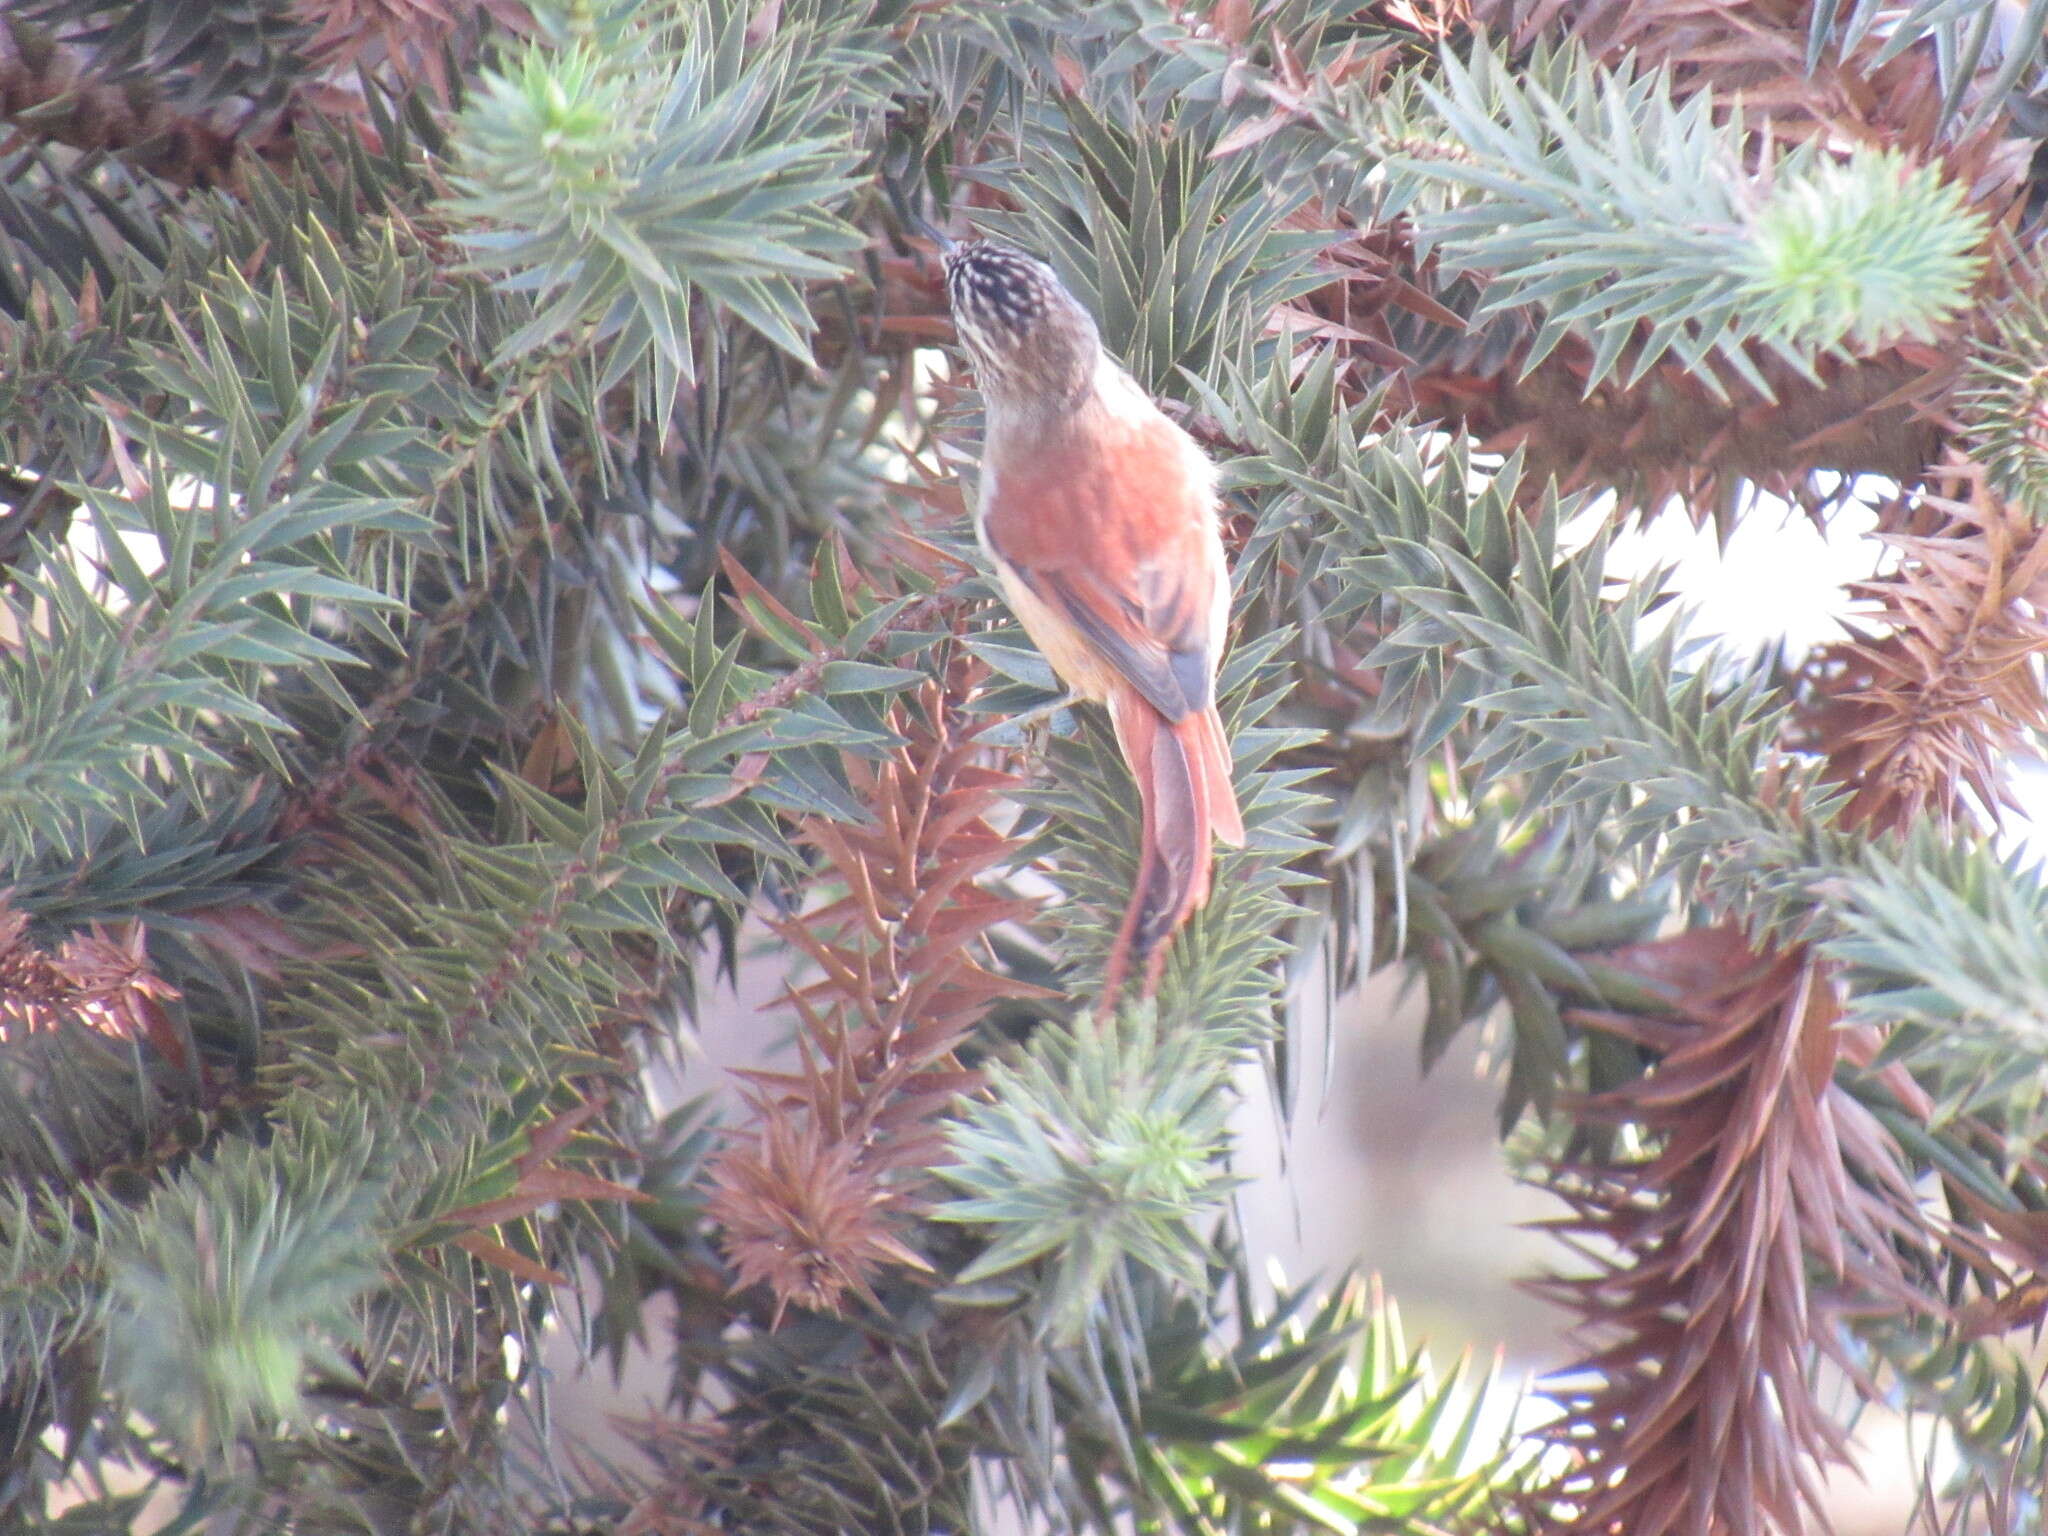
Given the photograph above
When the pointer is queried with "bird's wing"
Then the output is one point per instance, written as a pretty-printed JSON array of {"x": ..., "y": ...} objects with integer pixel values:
[
  {"x": 1146, "y": 624},
  {"x": 1126, "y": 549}
]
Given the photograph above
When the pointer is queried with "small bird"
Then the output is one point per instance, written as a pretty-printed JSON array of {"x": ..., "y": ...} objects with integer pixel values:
[{"x": 1099, "y": 515}]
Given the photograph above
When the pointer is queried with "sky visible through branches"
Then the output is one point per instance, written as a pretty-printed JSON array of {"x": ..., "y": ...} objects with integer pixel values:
[{"x": 1779, "y": 580}]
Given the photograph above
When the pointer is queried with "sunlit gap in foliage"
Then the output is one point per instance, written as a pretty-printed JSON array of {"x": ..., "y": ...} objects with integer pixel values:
[
  {"x": 1783, "y": 582},
  {"x": 1776, "y": 581},
  {"x": 88, "y": 550}
]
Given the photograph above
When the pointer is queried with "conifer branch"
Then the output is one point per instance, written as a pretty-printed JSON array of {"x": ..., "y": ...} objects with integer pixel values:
[
  {"x": 814, "y": 1194},
  {"x": 793, "y": 684},
  {"x": 2002, "y": 404},
  {"x": 48, "y": 87},
  {"x": 1687, "y": 764},
  {"x": 357, "y": 515},
  {"x": 463, "y": 455},
  {"x": 1766, "y": 1203},
  {"x": 564, "y": 882},
  {"x": 1941, "y": 689},
  {"x": 1660, "y": 227}
]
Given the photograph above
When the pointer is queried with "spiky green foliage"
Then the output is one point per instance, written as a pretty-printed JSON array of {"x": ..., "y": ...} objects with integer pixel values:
[
  {"x": 1102, "y": 1146},
  {"x": 1858, "y": 253},
  {"x": 470, "y": 555},
  {"x": 235, "y": 1281},
  {"x": 1603, "y": 231},
  {"x": 2004, "y": 403},
  {"x": 1318, "y": 1381},
  {"x": 659, "y": 134},
  {"x": 1945, "y": 946},
  {"x": 1178, "y": 259}
]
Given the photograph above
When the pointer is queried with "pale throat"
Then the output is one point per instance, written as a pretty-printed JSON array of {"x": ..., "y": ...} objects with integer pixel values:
[{"x": 1026, "y": 421}]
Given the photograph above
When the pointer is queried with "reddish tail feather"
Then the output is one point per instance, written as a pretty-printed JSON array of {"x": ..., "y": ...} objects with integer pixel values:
[{"x": 1183, "y": 773}]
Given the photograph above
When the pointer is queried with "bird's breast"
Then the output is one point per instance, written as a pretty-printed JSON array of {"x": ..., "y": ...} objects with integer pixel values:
[{"x": 1072, "y": 655}]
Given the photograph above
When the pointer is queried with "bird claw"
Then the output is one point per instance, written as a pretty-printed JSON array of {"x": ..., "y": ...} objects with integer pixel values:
[{"x": 1014, "y": 730}]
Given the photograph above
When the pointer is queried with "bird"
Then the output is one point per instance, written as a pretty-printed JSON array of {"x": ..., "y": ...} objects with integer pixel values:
[{"x": 1098, "y": 514}]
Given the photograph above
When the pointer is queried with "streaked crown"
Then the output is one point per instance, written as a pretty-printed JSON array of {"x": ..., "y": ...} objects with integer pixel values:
[{"x": 1022, "y": 327}]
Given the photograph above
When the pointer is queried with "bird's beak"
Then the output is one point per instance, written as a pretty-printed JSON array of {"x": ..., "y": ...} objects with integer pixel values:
[{"x": 946, "y": 243}]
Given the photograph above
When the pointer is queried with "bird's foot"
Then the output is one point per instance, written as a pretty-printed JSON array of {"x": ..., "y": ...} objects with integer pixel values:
[{"x": 1013, "y": 729}]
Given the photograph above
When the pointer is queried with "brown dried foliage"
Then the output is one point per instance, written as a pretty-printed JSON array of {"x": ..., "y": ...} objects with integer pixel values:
[
  {"x": 813, "y": 1197},
  {"x": 98, "y": 981},
  {"x": 402, "y": 40},
  {"x": 1669, "y": 438},
  {"x": 1755, "y": 50},
  {"x": 1942, "y": 686},
  {"x": 54, "y": 86},
  {"x": 55, "y": 82},
  {"x": 1698, "y": 1417}
]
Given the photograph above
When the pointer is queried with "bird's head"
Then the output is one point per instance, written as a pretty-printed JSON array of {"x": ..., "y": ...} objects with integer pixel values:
[{"x": 1030, "y": 339}]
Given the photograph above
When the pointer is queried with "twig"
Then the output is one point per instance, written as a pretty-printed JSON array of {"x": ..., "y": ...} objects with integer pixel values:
[
  {"x": 454, "y": 615},
  {"x": 779, "y": 693},
  {"x": 518, "y": 953}
]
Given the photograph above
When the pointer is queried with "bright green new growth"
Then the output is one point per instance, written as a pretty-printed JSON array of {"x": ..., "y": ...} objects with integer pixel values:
[
  {"x": 1101, "y": 1144},
  {"x": 1861, "y": 252},
  {"x": 656, "y": 139},
  {"x": 583, "y": 116},
  {"x": 229, "y": 1288},
  {"x": 1601, "y": 229}
]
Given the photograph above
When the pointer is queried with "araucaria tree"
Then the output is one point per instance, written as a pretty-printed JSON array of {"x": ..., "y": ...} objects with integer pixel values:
[{"x": 485, "y": 538}]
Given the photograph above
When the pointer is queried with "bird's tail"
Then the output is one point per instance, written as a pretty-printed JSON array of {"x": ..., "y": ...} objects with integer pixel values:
[{"x": 1183, "y": 773}]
